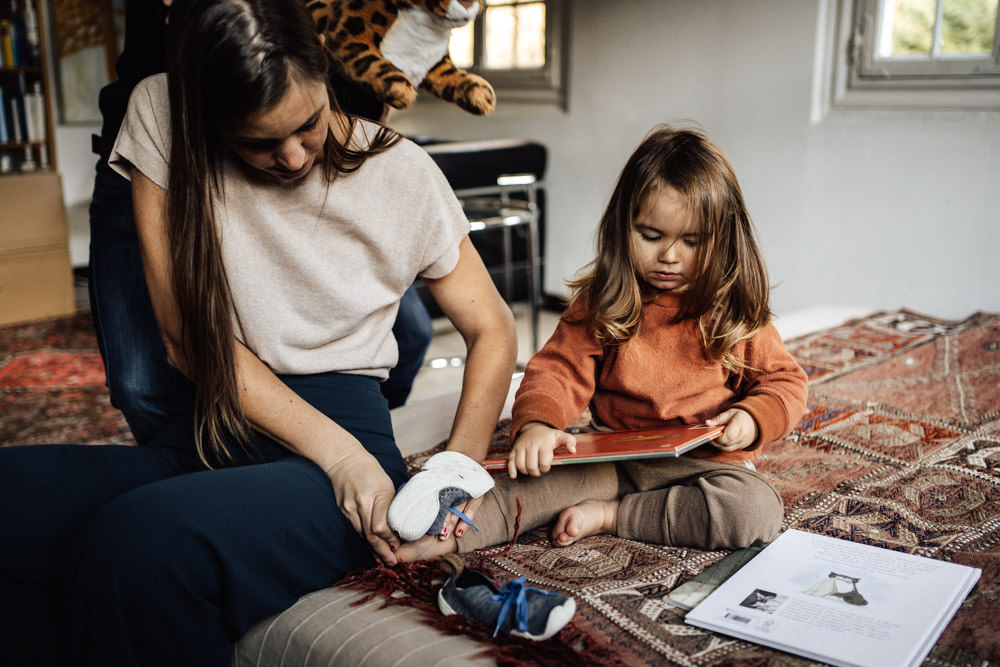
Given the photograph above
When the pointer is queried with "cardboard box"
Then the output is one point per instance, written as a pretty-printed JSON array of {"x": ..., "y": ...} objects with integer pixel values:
[
  {"x": 33, "y": 214},
  {"x": 35, "y": 284},
  {"x": 36, "y": 278}
]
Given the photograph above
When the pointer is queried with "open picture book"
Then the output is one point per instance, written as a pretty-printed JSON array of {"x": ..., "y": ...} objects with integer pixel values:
[
  {"x": 630, "y": 444},
  {"x": 837, "y": 601}
]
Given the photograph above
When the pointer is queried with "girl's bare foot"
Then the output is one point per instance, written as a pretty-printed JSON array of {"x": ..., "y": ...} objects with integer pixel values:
[
  {"x": 426, "y": 548},
  {"x": 590, "y": 517}
]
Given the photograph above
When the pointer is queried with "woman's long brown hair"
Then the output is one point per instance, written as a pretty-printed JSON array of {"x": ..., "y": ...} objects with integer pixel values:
[
  {"x": 729, "y": 294},
  {"x": 228, "y": 60}
]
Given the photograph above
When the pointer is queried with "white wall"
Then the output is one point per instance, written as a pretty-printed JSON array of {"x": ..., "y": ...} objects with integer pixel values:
[
  {"x": 872, "y": 209},
  {"x": 76, "y": 167},
  {"x": 875, "y": 209}
]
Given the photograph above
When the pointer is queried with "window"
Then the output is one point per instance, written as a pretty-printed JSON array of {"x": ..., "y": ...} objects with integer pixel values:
[
  {"x": 518, "y": 46},
  {"x": 952, "y": 42},
  {"x": 912, "y": 53}
]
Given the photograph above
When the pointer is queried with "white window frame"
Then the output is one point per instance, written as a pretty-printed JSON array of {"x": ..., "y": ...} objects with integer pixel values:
[
  {"x": 546, "y": 84},
  {"x": 849, "y": 75}
]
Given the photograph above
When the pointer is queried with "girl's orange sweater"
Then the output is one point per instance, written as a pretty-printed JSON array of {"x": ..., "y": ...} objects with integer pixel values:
[{"x": 661, "y": 376}]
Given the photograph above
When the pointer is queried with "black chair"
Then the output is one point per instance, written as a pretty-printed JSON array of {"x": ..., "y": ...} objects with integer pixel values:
[{"x": 500, "y": 184}]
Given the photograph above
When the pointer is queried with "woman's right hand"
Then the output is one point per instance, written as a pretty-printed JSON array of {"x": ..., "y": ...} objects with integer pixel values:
[
  {"x": 363, "y": 493},
  {"x": 532, "y": 451}
]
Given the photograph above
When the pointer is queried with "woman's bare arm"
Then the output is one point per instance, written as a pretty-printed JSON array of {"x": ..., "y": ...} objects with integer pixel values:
[
  {"x": 362, "y": 488},
  {"x": 470, "y": 300}
]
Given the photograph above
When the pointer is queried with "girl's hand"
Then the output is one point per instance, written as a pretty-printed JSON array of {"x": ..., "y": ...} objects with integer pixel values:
[
  {"x": 363, "y": 493},
  {"x": 740, "y": 432},
  {"x": 532, "y": 451}
]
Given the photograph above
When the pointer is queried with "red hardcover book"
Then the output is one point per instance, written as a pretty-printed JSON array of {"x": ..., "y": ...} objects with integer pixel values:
[{"x": 640, "y": 443}]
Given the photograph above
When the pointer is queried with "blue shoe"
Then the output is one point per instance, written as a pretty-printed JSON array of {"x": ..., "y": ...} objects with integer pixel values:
[
  {"x": 515, "y": 609},
  {"x": 446, "y": 480}
]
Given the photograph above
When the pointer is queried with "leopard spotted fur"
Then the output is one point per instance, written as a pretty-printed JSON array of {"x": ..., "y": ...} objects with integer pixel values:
[{"x": 356, "y": 31}]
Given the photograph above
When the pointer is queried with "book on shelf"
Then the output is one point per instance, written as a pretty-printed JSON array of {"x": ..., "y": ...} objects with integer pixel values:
[
  {"x": 19, "y": 116},
  {"x": 641, "y": 443},
  {"x": 34, "y": 113},
  {"x": 4, "y": 123},
  {"x": 838, "y": 602},
  {"x": 30, "y": 42},
  {"x": 7, "y": 53},
  {"x": 15, "y": 117}
]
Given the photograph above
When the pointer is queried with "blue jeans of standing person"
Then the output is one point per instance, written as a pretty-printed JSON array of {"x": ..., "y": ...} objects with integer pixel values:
[
  {"x": 413, "y": 331},
  {"x": 120, "y": 555},
  {"x": 140, "y": 381}
]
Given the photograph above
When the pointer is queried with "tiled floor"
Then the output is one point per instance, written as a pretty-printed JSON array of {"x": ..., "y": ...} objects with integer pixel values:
[{"x": 442, "y": 371}]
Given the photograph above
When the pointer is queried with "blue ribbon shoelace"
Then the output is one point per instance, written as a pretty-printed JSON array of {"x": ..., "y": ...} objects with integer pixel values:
[
  {"x": 513, "y": 594},
  {"x": 464, "y": 518}
]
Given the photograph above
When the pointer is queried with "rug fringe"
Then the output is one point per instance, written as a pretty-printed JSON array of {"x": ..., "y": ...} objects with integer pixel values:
[{"x": 415, "y": 585}]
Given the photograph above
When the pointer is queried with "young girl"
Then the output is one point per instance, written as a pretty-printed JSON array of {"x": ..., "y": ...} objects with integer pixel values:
[
  {"x": 669, "y": 326},
  {"x": 277, "y": 238}
]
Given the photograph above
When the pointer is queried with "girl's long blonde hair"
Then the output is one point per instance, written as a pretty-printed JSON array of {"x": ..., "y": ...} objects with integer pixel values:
[
  {"x": 228, "y": 60},
  {"x": 729, "y": 292}
]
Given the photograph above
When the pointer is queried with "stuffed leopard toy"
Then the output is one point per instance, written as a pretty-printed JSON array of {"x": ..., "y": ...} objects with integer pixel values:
[{"x": 392, "y": 46}]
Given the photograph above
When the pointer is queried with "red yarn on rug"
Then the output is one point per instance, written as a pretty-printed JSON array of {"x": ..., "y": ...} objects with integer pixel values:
[{"x": 416, "y": 585}]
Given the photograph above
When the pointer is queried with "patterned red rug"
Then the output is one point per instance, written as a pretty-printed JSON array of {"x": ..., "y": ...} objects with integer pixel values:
[
  {"x": 52, "y": 385},
  {"x": 900, "y": 448}
]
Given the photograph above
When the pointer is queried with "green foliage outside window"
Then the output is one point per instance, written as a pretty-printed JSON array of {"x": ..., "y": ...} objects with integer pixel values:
[{"x": 967, "y": 27}]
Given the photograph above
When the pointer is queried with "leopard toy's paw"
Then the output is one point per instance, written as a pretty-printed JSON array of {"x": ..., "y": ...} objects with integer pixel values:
[
  {"x": 469, "y": 91},
  {"x": 476, "y": 95},
  {"x": 395, "y": 89}
]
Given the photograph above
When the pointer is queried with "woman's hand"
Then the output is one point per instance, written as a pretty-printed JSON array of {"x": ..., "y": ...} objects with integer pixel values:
[
  {"x": 532, "y": 451},
  {"x": 740, "y": 431},
  {"x": 456, "y": 526},
  {"x": 363, "y": 493}
]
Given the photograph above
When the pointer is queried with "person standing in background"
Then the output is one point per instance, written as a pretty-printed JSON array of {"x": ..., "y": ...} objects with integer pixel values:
[{"x": 141, "y": 383}]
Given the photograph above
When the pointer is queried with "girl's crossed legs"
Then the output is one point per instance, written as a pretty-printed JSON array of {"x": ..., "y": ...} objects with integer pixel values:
[{"x": 682, "y": 501}]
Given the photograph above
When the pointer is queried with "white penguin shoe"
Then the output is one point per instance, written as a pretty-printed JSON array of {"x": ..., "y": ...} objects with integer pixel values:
[{"x": 447, "y": 479}]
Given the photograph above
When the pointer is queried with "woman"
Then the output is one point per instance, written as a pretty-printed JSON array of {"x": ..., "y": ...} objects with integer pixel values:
[{"x": 277, "y": 237}]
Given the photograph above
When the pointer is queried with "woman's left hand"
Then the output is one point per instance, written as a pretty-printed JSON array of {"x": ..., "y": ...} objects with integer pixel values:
[
  {"x": 740, "y": 431},
  {"x": 364, "y": 492}
]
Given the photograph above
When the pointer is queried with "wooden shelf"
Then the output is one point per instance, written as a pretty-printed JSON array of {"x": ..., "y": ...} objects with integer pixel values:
[
  {"x": 17, "y": 80},
  {"x": 36, "y": 278},
  {"x": 20, "y": 69}
]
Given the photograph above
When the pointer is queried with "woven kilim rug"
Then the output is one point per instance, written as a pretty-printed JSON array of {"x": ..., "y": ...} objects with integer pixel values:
[
  {"x": 52, "y": 386},
  {"x": 900, "y": 448}
]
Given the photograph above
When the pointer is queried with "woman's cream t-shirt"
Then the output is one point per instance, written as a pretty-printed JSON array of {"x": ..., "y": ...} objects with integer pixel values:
[{"x": 316, "y": 270}]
